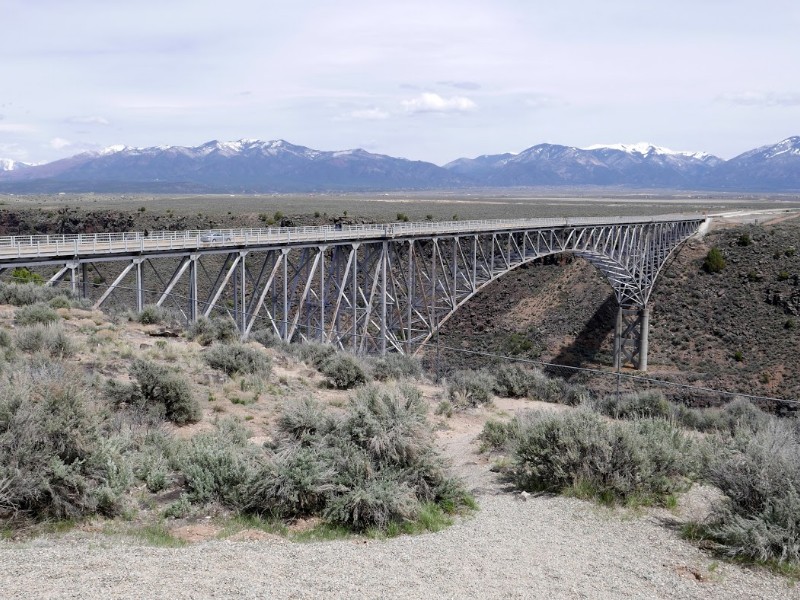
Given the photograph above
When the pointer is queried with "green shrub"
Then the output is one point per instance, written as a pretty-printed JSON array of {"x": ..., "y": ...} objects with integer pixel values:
[
  {"x": 497, "y": 435},
  {"x": 578, "y": 452},
  {"x": 295, "y": 484},
  {"x": 159, "y": 388},
  {"x": 305, "y": 418},
  {"x": 714, "y": 261},
  {"x": 31, "y": 339},
  {"x": 374, "y": 503},
  {"x": 343, "y": 372},
  {"x": 218, "y": 329},
  {"x": 232, "y": 358},
  {"x": 150, "y": 315},
  {"x": 313, "y": 353},
  {"x": 389, "y": 423},
  {"x": 22, "y": 294},
  {"x": 744, "y": 240},
  {"x": 783, "y": 276},
  {"x": 50, "y": 338},
  {"x": 5, "y": 339},
  {"x": 517, "y": 343},
  {"x": 179, "y": 509},
  {"x": 470, "y": 388},
  {"x": 267, "y": 338},
  {"x": 21, "y": 275},
  {"x": 636, "y": 405},
  {"x": 739, "y": 414},
  {"x": 217, "y": 466},
  {"x": 60, "y": 302},
  {"x": 35, "y": 313},
  {"x": 374, "y": 467},
  {"x": 56, "y": 459},
  {"x": 512, "y": 381},
  {"x": 395, "y": 366},
  {"x": 759, "y": 473}
]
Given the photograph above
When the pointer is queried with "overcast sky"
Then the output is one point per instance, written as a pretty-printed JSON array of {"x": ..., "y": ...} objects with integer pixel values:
[{"x": 431, "y": 80}]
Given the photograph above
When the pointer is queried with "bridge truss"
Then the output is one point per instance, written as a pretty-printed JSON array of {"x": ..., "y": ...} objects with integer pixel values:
[{"x": 365, "y": 288}]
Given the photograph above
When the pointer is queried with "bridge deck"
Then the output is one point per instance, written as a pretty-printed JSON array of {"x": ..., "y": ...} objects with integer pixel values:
[{"x": 43, "y": 247}]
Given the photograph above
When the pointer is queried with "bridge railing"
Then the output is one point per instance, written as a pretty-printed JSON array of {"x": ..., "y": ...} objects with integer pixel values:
[{"x": 132, "y": 241}]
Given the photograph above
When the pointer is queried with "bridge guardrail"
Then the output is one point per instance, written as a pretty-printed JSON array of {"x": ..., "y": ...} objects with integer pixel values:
[{"x": 46, "y": 245}]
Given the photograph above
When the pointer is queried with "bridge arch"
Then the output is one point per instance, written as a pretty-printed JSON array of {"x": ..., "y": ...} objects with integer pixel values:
[{"x": 498, "y": 277}]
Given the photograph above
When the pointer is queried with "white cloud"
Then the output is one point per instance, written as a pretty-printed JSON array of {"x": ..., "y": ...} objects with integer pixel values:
[
  {"x": 59, "y": 143},
  {"x": 370, "y": 114},
  {"x": 763, "y": 99},
  {"x": 91, "y": 120},
  {"x": 430, "y": 102}
]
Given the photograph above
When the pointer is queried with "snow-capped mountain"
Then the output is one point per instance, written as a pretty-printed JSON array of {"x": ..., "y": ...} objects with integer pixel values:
[
  {"x": 642, "y": 165},
  {"x": 645, "y": 149},
  {"x": 277, "y": 166},
  {"x": 772, "y": 167},
  {"x": 7, "y": 164},
  {"x": 240, "y": 166}
]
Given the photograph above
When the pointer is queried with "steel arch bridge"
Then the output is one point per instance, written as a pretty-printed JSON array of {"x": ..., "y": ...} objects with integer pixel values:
[{"x": 365, "y": 288}]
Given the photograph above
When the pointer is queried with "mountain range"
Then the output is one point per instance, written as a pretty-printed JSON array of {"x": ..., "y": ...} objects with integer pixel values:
[{"x": 277, "y": 166}]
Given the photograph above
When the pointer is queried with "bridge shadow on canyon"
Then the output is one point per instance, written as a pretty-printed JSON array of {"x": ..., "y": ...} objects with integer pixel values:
[{"x": 586, "y": 349}]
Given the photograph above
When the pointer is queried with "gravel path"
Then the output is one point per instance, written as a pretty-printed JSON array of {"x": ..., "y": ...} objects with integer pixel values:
[{"x": 545, "y": 547}]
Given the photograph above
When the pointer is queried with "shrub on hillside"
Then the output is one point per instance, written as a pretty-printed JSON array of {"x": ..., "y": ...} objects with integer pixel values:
[
  {"x": 49, "y": 338},
  {"x": 157, "y": 389},
  {"x": 5, "y": 339},
  {"x": 35, "y": 313},
  {"x": 579, "y": 452},
  {"x": 216, "y": 466},
  {"x": 759, "y": 473},
  {"x": 232, "y": 358},
  {"x": 395, "y": 366},
  {"x": 217, "y": 329},
  {"x": 343, "y": 371},
  {"x": 150, "y": 315},
  {"x": 513, "y": 381},
  {"x": 56, "y": 459},
  {"x": 714, "y": 261},
  {"x": 497, "y": 435},
  {"x": 60, "y": 302},
  {"x": 267, "y": 338},
  {"x": 373, "y": 467},
  {"x": 305, "y": 418},
  {"x": 636, "y": 405},
  {"x": 470, "y": 388},
  {"x": 22, "y": 294},
  {"x": 22, "y": 275},
  {"x": 296, "y": 483},
  {"x": 313, "y": 353}
]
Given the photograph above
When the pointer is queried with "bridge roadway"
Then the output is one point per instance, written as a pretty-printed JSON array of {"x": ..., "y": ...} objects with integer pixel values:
[
  {"x": 372, "y": 287},
  {"x": 40, "y": 249}
]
